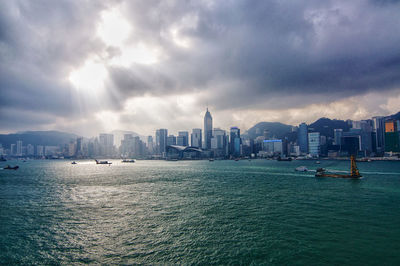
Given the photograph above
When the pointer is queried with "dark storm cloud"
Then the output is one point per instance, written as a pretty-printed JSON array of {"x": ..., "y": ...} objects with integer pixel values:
[{"x": 240, "y": 54}]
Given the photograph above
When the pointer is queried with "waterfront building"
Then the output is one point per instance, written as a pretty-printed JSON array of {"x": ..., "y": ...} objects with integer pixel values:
[
  {"x": 161, "y": 140},
  {"x": 272, "y": 147},
  {"x": 30, "y": 150},
  {"x": 218, "y": 142},
  {"x": 302, "y": 138},
  {"x": 392, "y": 141},
  {"x": 207, "y": 130},
  {"x": 196, "y": 138},
  {"x": 13, "y": 149},
  {"x": 183, "y": 138},
  {"x": 337, "y": 134},
  {"x": 171, "y": 140},
  {"x": 106, "y": 143},
  {"x": 314, "y": 146},
  {"x": 235, "y": 142},
  {"x": 51, "y": 150},
  {"x": 39, "y": 150},
  {"x": 150, "y": 144},
  {"x": 71, "y": 149},
  {"x": 19, "y": 148},
  {"x": 379, "y": 129}
]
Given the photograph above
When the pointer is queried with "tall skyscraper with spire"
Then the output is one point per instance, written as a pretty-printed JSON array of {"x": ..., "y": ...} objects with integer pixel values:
[{"x": 207, "y": 130}]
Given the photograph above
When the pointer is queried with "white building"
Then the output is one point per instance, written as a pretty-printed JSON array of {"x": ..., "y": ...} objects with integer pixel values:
[{"x": 314, "y": 144}]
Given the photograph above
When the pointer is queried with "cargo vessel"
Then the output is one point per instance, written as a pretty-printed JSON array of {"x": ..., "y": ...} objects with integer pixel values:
[{"x": 354, "y": 173}]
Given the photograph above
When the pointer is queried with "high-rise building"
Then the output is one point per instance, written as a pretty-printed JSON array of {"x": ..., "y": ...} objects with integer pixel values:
[
  {"x": 235, "y": 141},
  {"x": 171, "y": 140},
  {"x": 218, "y": 139},
  {"x": 379, "y": 129},
  {"x": 183, "y": 138},
  {"x": 207, "y": 130},
  {"x": 13, "y": 149},
  {"x": 19, "y": 147},
  {"x": 337, "y": 134},
  {"x": 39, "y": 150},
  {"x": 302, "y": 137},
  {"x": 150, "y": 144},
  {"x": 30, "y": 150},
  {"x": 314, "y": 146},
  {"x": 392, "y": 141},
  {"x": 79, "y": 146},
  {"x": 106, "y": 142},
  {"x": 161, "y": 140},
  {"x": 195, "y": 138}
]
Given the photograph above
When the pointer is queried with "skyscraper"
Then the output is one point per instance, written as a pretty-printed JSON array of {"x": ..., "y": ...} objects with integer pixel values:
[
  {"x": 195, "y": 138},
  {"x": 314, "y": 143},
  {"x": 19, "y": 147},
  {"x": 106, "y": 142},
  {"x": 392, "y": 141},
  {"x": 183, "y": 138},
  {"x": 379, "y": 129},
  {"x": 161, "y": 140},
  {"x": 207, "y": 130},
  {"x": 302, "y": 138},
  {"x": 337, "y": 134},
  {"x": 235, "y": 141}
]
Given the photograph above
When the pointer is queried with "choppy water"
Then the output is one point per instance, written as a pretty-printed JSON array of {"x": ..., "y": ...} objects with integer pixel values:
[{"x": 198, "y": 212}]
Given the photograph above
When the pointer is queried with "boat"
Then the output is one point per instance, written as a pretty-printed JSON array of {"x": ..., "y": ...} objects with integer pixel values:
[
  {"x": 74, "y": 162},
  {"x": 317, "y": 162},
  {"x": 103, "y": 162},
  {"x": 354, "y": 173},
  {"x": 285, "y": 159},
  {"x": 211, "y": 160},
  {"x": 2, "y": 159},
  {"x": 301, "y": 169},
  {"x": 237, "y": 159},
  {"x": 8, "y": 167},
  {"x": 128, "y": 161}
]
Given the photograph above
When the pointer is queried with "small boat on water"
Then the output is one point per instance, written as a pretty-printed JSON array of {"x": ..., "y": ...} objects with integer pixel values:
[
  {"x": 284, "y": 159},
  {"x": 211, "y": 160},
  {"x": 74, "y": 162},
  {"x": 301, "y": 169},
  {"x": 128, "y": 161},
  {"x": 317, "y": 162},
  {"x": 103, "y": 162},
  {"x": 2, "y": 159},
  {"x": 354, "y": 173},
  {"x": 8, "y": 167}
]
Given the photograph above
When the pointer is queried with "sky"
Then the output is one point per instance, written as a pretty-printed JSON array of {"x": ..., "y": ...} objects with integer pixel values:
[{"x": 87, "y": 67}]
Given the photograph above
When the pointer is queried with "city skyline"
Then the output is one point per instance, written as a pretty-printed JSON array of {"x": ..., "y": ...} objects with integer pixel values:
[{"x": 94, "y": 67}]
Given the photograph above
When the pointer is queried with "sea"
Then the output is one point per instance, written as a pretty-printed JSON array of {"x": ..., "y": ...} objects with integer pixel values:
[{"x": 247, "y": 212}]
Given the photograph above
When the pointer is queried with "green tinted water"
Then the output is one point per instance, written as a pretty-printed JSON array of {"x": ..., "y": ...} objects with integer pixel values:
[{"x": 198, "y": 212}]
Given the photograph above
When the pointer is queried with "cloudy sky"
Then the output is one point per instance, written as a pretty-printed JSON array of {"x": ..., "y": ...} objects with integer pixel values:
[{"x": 95, "y": 66}]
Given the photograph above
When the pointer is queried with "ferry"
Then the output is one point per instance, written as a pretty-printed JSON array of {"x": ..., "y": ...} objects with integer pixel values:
[
  {"x": 128, "y": 161},
  {"x": 103, "y": 162},
  {"x": 301, "y": 169},
  {"x": 354, "y": 173}
]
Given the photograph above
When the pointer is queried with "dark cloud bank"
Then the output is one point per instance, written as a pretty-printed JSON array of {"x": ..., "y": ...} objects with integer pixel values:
[{"x": 242, "y": 54}]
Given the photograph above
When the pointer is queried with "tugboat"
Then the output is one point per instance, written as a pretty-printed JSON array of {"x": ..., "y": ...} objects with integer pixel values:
[{"x": 354, "y": 173}]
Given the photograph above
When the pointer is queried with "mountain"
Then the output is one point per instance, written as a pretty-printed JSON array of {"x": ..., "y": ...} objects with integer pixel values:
[
  {"x": 326, "y": 126},
  {"x": 395, "y": 116},
  {"x": 275, "y": 129},
  {"x": 48, "y": 138}
]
